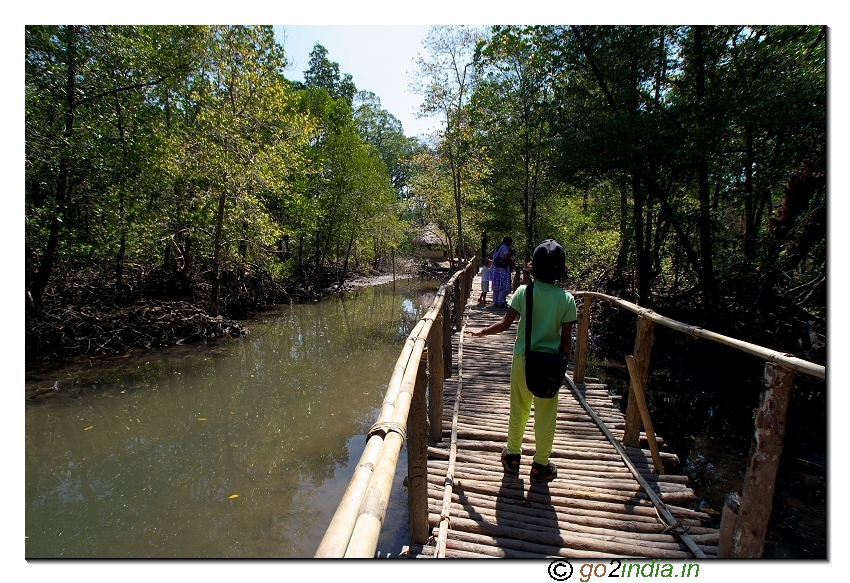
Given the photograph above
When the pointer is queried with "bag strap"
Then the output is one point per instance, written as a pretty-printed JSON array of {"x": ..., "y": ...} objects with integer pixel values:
[{"x": 529, "y": 303}]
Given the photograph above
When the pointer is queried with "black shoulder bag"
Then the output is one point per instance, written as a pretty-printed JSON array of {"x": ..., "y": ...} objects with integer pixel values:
[{"x": 544, "y": 371}]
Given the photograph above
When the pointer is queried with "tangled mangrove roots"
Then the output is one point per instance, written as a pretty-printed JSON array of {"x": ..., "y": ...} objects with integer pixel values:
[
  {"x": 56, "y": 333},
  {"x": 86, "y": 314}
]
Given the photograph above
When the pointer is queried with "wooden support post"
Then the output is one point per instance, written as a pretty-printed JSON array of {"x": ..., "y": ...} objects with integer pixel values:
[
  {"x": 417, "y": 457},
  {"x": 458, "y": 303},
  {"x": 640, "y": 398},
  {"x": 727, "y": 525},
  {"x": 447, "y": 340},
  {"x": 582, "y": 336},
  {"x": 643, "y": 348},
  {"x": 463, "y": 293},
  {"x": 435, "y": 381},
  {"x": 760, "y": 480}
]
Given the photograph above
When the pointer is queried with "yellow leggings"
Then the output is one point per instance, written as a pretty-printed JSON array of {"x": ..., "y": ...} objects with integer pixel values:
[{"x": 545, "y": 415}]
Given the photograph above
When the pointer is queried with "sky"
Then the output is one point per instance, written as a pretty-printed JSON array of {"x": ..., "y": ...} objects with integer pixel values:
[{"x": 379, "y": 58}]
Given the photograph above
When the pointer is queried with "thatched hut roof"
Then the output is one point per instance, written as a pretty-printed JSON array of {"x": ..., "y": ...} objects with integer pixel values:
[{"x": 430, "y": 235}]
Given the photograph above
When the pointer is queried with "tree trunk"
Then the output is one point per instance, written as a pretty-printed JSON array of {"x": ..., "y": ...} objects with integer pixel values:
[
  {"x": 642, "y": 263},
  {"x": 63, "y": 183},
  {"x": 216, "y": 267},
  {"x": 750, "y": 226},
  {"x": 345, "y": 263},
  {"x": 625, "y": 235},
  {"x": 709, "y": 282}
]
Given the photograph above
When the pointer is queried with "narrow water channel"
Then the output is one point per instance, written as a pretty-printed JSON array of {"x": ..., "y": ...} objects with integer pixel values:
[{"x": 238, "y": 448}]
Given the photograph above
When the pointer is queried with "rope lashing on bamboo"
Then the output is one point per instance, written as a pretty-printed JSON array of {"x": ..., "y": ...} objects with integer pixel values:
[
  {"x": 445, "y": 510},
  {"x": 667, "y": 518},
  {"x": 682, "y": 528},
  {"x": 777, "y": 358},
  {"x": 386, "y": 427}
]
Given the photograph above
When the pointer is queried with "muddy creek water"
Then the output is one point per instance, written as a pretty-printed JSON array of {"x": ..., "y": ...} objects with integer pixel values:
[{"x": 238, "y": 448}]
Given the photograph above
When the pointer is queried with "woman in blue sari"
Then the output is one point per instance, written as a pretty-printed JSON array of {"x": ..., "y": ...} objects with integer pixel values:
[{"x": 500, "y": 273}]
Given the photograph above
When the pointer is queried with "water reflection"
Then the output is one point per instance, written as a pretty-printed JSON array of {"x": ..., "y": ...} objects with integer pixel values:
[{"x": 239, "y": 448}]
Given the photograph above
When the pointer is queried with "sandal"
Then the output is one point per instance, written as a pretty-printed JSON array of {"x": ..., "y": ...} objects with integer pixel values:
[
  {"x": 541, "y": 473},
  {"x": 510, "y": 461}
]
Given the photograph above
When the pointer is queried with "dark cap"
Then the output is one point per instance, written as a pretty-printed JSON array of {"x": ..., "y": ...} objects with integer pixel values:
[{"x": 549, "y": 261}]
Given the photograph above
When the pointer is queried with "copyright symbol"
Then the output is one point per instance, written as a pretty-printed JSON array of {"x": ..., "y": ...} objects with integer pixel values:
[{"x": 560, "y": 570}]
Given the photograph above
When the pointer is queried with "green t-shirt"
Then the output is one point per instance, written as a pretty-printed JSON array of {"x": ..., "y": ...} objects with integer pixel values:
[{"x": 552, "y": 308}]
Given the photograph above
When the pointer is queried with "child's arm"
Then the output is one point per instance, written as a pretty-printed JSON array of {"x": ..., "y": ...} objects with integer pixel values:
[
  {"x": 499, "y": 326},
  {"x": 566, "y": 338}
]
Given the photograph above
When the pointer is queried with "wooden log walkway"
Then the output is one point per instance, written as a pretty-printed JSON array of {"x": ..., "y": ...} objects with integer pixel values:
[{"x": 595, "y": 508}]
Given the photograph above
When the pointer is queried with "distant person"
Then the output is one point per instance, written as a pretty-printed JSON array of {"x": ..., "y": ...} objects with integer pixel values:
[
  {"x": 517, "y": 271},
  {"x": 485, "y": 281},
  {"x": 551, "y": 331},
  {"x": 500, "y": 273}
]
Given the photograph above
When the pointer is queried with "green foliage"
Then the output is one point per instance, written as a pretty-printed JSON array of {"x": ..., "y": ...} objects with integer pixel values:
[
  {"x": 324, "y": 73},
  {"x": 185, "y": 149},
  {"x": 661, "y": 153}
]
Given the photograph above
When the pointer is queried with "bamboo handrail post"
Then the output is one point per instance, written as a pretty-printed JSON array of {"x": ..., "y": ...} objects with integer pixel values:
[
  {"x": 639, "y": 396},
  {"x": 463, "y": 283},
  {"x": 582, "y": 336},
  {"x": 760, "y": 479},
  {"x": 447, "y": 341},
  {"x": 643, "y": 347},
  {"x": 367, "y": 529},
  {"x": 417, "y": 457},
  {"x": 338, "y": 533},
  {"x": 458, "y": 303},
  {"x": 727, "y": 525},
  {"x": 394, "y": 387},
  {"x": 435, "y": 381}
]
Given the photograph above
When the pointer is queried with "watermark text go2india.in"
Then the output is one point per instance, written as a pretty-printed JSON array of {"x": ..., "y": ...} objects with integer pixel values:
[{"x": 562, "y": 570}]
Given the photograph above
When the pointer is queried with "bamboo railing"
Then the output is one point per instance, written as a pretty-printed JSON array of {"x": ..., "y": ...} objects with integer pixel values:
[
  {"x": 788, "y": 361},
  {"x": 356, "y": 525},
  {"x": 744, "y": 519}
]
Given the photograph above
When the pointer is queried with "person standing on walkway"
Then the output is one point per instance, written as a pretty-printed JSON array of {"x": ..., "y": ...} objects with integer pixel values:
[
  {"x": 554, "y": 314},
  {"x": 500, "y": 273},
  {"x": 485, "y": 280}
]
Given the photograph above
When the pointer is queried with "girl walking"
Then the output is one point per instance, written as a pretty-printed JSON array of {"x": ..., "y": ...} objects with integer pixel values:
[{"x": 552, "y": 325}]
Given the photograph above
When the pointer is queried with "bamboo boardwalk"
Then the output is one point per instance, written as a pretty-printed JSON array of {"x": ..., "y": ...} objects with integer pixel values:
[{"x": 594, "y": 508}]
